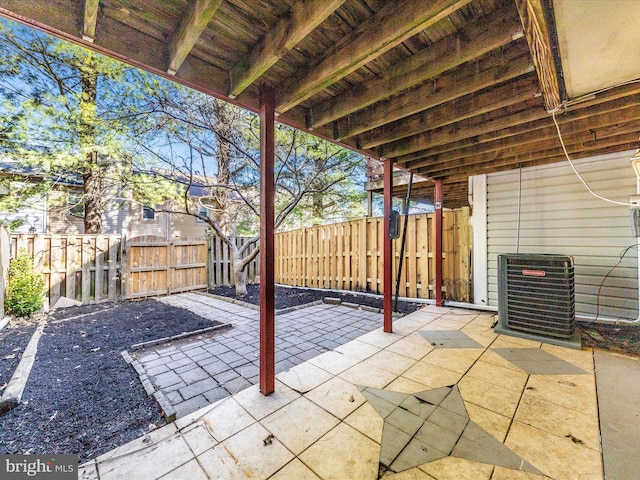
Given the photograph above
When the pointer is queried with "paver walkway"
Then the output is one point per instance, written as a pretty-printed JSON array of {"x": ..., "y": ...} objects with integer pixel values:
[
  {"x": 197, "y": 371},
  {"x": 425, "y": 402}
]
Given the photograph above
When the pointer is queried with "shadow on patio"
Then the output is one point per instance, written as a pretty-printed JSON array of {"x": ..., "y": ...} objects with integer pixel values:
[{"x": 441, "y": 397}]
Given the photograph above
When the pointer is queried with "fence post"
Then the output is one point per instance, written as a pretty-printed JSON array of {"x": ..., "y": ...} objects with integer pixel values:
[
  {"x": 124, "y": 266},
  {"x": 4, "y": 265}
]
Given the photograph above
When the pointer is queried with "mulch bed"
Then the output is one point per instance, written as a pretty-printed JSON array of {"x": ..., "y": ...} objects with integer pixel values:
[
  {"x": 13, "y": 341},
  {"x": 287, "y": 297},
  {"x": 82, "y": 398},
  {"x": 614, "y": 338}
]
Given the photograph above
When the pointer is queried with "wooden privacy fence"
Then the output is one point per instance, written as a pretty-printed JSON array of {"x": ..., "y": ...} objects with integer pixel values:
[
  {"x": 220, "y": 262},
  {"x": 82, "y": 267},
  {"x": 159, "y": 267},
  {"x": 343, "y": 256},
  {"x": 4, "y": 266},
  {"x": 89, "y": 268},
  {"x": 348, "y": 256}
]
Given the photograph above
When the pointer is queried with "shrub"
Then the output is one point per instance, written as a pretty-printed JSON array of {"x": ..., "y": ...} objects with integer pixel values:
[{"x": 25, "y": 294}]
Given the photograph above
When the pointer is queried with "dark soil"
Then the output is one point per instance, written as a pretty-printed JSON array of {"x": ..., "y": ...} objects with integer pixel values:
[
  {"x": 81, "y": 397},
  {"x": 287, "y": 297},
  {"x": 614, "y": 338}
]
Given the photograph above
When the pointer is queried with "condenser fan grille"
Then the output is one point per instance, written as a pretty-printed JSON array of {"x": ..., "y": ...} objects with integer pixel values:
[{"x": 536, "y": 294}]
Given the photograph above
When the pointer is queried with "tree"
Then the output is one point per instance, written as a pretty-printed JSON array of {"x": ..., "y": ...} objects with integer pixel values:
[
  {"x": 69, "y": 113},
  {"x": 223, "y": 156}
]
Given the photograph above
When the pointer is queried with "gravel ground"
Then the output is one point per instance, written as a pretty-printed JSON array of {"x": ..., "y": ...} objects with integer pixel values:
[{"x": 81, "y": 397}]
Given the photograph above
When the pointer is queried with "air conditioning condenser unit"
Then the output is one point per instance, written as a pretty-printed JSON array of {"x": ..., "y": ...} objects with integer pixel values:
[{"x": 536, "y": 298}]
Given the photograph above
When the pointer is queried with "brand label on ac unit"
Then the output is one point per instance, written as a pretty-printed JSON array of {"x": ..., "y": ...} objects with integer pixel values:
[{"x": 534, "y": 273}]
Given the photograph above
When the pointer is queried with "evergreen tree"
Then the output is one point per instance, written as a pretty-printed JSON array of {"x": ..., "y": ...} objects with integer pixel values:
[{"x": 68, "y": 113}]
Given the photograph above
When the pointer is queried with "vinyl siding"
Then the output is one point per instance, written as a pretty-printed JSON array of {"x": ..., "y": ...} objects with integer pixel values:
[
  {"x": 559, "y": 216},
  {"x": 186, "y": 226},
  {"x": 33, "y": 215}
]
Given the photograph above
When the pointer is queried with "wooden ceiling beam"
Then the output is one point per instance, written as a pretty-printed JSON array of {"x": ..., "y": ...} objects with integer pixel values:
[
  {"x": 462, "y": 81},
  {"x": 546, "y": 135},
  {"x": 610, "y": 145},
  {"x": 192, "y": 24},
  {"x": 290, "y": 30},
  {"x": 479, "y": 38},
  {"x": 467, "y": 129},
  {"x": 463, "y": 108},
  {"x": 528, "y": 144},
  {"x": 537, "y": 31},
  {"x": 463, "y": 176},
  {"x": 481, "y": 131},
  {"x": 370, "y": 39},
  {"x": 90, "y": 20}
]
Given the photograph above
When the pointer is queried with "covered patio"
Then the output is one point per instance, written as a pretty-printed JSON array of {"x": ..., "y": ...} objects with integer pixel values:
[
  {"x": 445, "y": 89},
  {"x": 443, "y": 396}
]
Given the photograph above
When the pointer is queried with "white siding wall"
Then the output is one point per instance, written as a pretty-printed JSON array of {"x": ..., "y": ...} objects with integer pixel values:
[
  {"x": 34, "y": 215},
  {"x": 558, "y": 215}
]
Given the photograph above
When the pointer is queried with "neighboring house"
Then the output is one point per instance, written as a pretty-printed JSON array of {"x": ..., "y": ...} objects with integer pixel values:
[{"x": 61, "y": 211}]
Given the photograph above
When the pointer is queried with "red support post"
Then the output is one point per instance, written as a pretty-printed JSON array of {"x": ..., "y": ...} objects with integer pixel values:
[
  {"x": 387, "y": 274},
  {"x": 267, "y": 242},
  {"x": 438, "y": 253}
]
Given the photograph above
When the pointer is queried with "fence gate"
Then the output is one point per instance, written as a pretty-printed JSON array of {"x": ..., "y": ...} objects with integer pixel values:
[{"x": 160, "y": 267}]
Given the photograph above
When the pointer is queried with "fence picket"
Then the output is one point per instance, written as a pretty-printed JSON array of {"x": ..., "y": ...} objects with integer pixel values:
[{"x": 346, "y": 256}]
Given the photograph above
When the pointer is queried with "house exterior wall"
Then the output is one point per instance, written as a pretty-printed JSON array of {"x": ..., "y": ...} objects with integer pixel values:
[
  {"x": 187, "y": 226},
  {"x": 160, "y": 226},
  {"x": 34, "y": 216},
  {"x": 559, "y": 216}
]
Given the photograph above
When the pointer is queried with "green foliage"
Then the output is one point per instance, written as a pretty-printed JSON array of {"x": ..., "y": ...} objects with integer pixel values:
[
  {"x": 69, "y": 116},
  {"x": 25, "y": 294},
  {"x": 12, "y": 224}
]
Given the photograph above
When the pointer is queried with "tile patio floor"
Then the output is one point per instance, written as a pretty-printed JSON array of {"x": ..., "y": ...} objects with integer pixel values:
[{"x": 442, "y": 397}]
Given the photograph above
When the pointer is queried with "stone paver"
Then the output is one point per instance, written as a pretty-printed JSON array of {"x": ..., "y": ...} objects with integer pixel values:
[
  {"x": 391, "y": 401},
  {"x": 210, "y": 366}
]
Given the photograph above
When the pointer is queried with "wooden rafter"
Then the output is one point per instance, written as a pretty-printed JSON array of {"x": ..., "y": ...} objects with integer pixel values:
[
  {"x": 539, "y": 141},
  {"x": 477, "y": 39},
  {"x": 467, "y": 129},
  {"x": 545, "y": 137},
  {"x": 442, "y": 141},
  {"x": 383, "y": 31},
  {"x": 302, "y": 19},
  {"x": 469, "y": 106},
  {"x": 541, "y": 157},
  {"x": 90, "y": 19},
  {"x": 193, "y": 22},
  {"x": 466, "y": 79},
  {"x": 537, "y": 33}
]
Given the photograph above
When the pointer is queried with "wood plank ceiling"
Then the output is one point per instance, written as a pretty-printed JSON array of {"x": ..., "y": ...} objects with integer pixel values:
[{"x": 445, "y": 88}]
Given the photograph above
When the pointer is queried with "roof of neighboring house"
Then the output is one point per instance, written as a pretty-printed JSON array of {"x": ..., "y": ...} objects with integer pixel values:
[{"x": 13, "y": 167}]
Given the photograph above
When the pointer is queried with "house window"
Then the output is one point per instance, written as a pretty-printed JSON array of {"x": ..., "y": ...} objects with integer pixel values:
[
  {"x": 75, "y": 205},
  {"x": 203, "y": 212},
  {"x": 148, "y": 213}
]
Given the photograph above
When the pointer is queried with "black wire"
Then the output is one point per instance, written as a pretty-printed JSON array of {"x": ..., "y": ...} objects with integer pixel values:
[{"x": 622, "y": 254}]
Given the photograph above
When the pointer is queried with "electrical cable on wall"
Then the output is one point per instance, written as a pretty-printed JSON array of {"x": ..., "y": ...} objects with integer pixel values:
[
  {"x": 622, "y": 254},
  {"x": 569, "y": 103},
  {"x": 519, "y": 205},
  {"x": 553, "y": 112}
]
